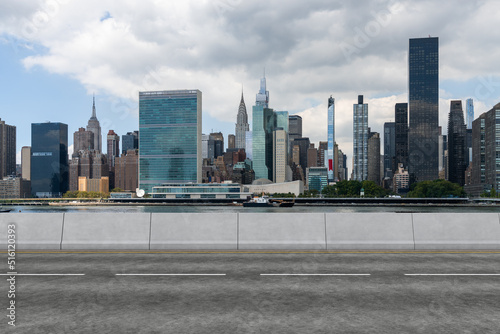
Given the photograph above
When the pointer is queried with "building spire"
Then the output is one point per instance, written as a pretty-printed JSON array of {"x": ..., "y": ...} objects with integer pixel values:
[{"x": 94, "y": 116}]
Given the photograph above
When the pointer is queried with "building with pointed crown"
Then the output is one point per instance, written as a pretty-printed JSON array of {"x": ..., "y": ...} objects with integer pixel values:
[
  {"x": 95, "y": 127},
  {"x": 241, "y": 124}
]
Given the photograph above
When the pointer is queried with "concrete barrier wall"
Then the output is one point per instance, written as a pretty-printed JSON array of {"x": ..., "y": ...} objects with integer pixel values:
[
  {"x": 456, "y": 231},
  {"x": 281, "y": 231},
  {"x": 369, "y": 231},
  {"x": 33, "y": 230},
  {"x": 194, "y": 231},
  {"x": 106, "y": 231},
  {"x": 232, "y": 231}
]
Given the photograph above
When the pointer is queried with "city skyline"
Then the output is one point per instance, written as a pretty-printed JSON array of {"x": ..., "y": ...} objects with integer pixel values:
[{"x": 314, "y": 50}]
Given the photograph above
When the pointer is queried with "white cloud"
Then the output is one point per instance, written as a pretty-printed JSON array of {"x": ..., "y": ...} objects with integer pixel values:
[{"x": 218, "y": 46}]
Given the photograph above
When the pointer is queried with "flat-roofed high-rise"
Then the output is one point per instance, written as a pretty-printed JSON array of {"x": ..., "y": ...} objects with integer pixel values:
[
  {"x": 423, "y": 63},
  {"x": 169, "y": 137}
]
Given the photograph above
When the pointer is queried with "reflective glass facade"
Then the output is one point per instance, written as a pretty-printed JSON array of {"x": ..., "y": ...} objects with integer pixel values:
[
  {"x": 201, "y": 190},
  {"x": 389, "y": 148},
  {"x": 456, "y": 144},
  {"x": 317, "y": 178},
  {"x": 360, "y": 140},
  {"x": 169, "y": 138},
  {"x": 423, "y": 109},
  {"x": 49, "y": 159},
  {"x": 329, "y": 162},
  {"x": 264, "y": 123},
  {"x": 401, "y": 117}
]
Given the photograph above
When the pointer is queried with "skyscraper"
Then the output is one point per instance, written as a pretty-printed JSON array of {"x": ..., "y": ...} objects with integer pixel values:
[
  {"x": 469, "y": 107},
  {"x": 389, "y": 148},
  {"x": 332, "y": 175},
  {"x": 486, "y": 149},
  {"x": 169, "y": 137},
  {"x": 26, "y": 162},
  {"x": 130, "y": 141},
  {"x": 49, "y": 159},
  {"x": 373, "y": 173},
  {"x": 231, "y": 141},
  {"x": 82, "y": 140},
  {"x": 263, "y": 126},
  {"x": 401, "y": 136},
  {"x": 7, "y": 149},
  {"x": 241, "y": 124},
  {"x": 262, "y": 98},
  {"x": 360, "y": 140},
  {"x": 280, "y": 155},
  {"x": 423, "y": 108},
  {"x": 456, "y": 144},
  {"x": 294, "y": 131},
  {"x": 94, "y": 126},
  {"x": 113, "y": 144}
]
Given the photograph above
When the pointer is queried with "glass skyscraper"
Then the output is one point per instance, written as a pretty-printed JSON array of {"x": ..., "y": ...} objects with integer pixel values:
[
  {"x": 49, "y": 159},
  {"x": 423, "y": 109},
  {"x": 456, "y": 144},
  {"x": 331, "y": 141},
  {"x": 469, "y": 108},
  {"x": 401, "y": 117},
  {"x": 169, "y": 138},
  {"x": 389, "y": 148},
  {"x": 263, "y": 125},
  {"x": 360, "y": 140}
]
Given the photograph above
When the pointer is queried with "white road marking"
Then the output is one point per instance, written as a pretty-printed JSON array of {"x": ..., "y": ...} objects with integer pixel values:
[
  {"x": 42, "y": 274},
  {"x": 170, "y": 274},
  {"x": 315, "y": 274},
  {"x": 452, "y": 274}
]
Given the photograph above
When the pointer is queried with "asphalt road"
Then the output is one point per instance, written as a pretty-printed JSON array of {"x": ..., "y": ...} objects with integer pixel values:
[{"x": 254, "y": 293}]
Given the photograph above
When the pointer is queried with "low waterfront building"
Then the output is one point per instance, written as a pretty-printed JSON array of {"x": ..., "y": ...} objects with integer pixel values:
[
  {"x": 317, "y": 178},
  {"x": 15, "y": 187},
  {"x": 260, "y": 186},
  {"x": 200, "y": 190}
]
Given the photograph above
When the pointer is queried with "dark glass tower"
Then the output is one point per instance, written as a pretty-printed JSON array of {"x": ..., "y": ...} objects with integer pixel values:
[
  {"x": 456, "y": 144},
  {"x": 169, "y": 138},
  {"x": 424, "y": 109},
  {"x": 389, "y": 147},
  {"x": 401, "y": 117},
  {"x": 130, "y": 141},
  {"x": 49, "y": 159}
]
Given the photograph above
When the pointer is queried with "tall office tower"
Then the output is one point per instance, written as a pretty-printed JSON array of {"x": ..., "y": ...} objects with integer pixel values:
[
  {"x": 113, "y": 141},
  {"x": 374, "y": 157},
  {"x": 94, "y": 126},
  {"x": 169, "y": 138},
  {"x": 26, "y": 162},
  {"x": 262, "y": 98},
  {"x": 7, "y": 149},
  {"x": 360, "y": 137},
  {"x": 280, "y": 156},
  {"x": 231, "y": 142},
  {"x": 90, "y": 165},
  {"x": 130, "y": 141},
  {"x": 303, "y": 144},
  {"x": 312, "y": 156},
  {"x": 249, "y": 145},
  {"x": 294, "y": 130},
  {"x": 322, "y": 150},
  {"x": 469, "y": 108},
  {"x": 263, "y": 126},
  {"x": 49, "y": 159},
  {"x": 343, "y": 175},
  {"x": 127, "y": 171},
  {"x": 331, "y": 140},
  {"x": 218, "y": 138},
  {"x": 401, "y": 136},
  {"x": 389, "y": 148},
  {"x": 82, "y": 140},
  {"x": 241, "y": 124},
  {"x": 486, "y": 149},
  {"x": 424, "y": 109},
  {"x": 456, "y": 144},
  {"x": 204, "y": 146}
]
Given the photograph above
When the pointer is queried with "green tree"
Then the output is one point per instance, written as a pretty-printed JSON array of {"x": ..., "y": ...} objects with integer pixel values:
[
  {"x": 116, "y": 190},
  {"x": 436, "y": 189}
]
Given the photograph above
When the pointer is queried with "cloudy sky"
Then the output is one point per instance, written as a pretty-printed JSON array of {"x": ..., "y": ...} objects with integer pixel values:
[{"x": 57, "y": 53}]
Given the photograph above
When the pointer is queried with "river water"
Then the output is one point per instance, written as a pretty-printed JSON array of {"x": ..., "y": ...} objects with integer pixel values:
[{"x": 235, "y": 209}]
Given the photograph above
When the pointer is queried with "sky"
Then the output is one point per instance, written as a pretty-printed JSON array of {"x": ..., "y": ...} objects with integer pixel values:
[{"x": 57, "y": 53}]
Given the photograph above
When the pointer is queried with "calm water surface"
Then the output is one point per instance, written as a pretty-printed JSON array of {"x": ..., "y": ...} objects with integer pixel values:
[{"x": 224, "y": 209}]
